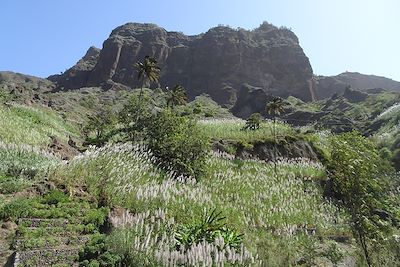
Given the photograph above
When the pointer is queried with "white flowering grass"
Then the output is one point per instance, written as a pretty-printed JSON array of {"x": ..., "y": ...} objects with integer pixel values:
[
  {"x": 231, "y": 129},
  {"x": 31, "y": 125},
  {"x": 255, "y": 201},
  {"x": 392, "y": 110},
  {"x": 25, "y": 158}
]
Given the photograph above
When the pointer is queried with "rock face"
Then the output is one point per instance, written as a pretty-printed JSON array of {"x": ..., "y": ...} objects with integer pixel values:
[
  {"x": 222, "y": 62},
  {"x": 325, "y": 87},
  {"x": 78, "y": 75}
]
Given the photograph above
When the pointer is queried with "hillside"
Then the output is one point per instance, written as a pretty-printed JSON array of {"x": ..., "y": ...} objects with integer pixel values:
[{"x": 326, "y": 86}]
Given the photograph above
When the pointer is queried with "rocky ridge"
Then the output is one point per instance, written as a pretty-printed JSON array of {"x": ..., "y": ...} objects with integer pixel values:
[{"x": 220, "y": 62}]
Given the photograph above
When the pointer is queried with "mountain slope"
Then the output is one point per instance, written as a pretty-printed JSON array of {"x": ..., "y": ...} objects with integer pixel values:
[{"x": 326, "y": 86}]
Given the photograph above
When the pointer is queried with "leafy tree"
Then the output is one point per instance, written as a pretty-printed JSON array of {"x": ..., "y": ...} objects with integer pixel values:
[
  {"x": 177, "y": 142},
  {"x": 360, "y": 183},
  {"x": 135, "y": 115},
  {"x": 176, "y": 96},
  {"x": 101, "y": 123},
  {"x": 253, "y": 122},
  {"x": 275, "y": 107}
]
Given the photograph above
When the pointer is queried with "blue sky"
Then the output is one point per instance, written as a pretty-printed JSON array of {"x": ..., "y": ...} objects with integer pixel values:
[{"x": 43, "y": 37}]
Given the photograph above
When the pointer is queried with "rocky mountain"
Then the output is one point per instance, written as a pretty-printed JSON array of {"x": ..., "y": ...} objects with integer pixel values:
[
  {"x": 326, "y": 86},
  {"x": 225, "y": 63},
  {"x": 240, "y": 69}
]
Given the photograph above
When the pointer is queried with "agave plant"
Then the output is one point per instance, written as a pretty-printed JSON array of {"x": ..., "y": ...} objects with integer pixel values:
[{"x": 209, "y": 229}]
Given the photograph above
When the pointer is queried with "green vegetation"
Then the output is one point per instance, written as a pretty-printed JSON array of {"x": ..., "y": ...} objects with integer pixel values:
[
  {"x": 32, "y": 125},
  {"x": 176, "y": 96},
  {"x": 231, "y": 129},
  {"x": 253, "y": 122},
  {"x": 178, "y": 143},
  {"x": 151, "y": 193},
  {"x": 360, "y": 182}
]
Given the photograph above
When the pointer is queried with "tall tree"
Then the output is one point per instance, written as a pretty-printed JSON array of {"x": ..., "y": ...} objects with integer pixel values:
[
  {"x": 275, "y": 107},
  {"x": 148, "y": 71},
  {"x": 176, "y": 96}
]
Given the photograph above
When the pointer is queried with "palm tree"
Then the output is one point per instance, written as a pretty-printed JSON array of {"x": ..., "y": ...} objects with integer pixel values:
[
  {"x": 148, "y": 70},
  {"x": 275, "y": 107},
  {"x": 176, "y": 96}
]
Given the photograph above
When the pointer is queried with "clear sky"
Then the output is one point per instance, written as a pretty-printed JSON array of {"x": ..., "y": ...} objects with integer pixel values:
[{"x": 43, "y": 37}]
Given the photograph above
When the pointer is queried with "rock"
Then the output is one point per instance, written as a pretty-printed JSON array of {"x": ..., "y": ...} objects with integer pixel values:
[
  {"x": 325, "y": 87},
  {"x": 9, "y": 225},
  {"x": 65, "y": 150},
  {"x": 266, "y": 151},
  {"x": 218, "y": 62},
  {"x": 354, "y": 95},
  {"x": 74, "y": 77}
]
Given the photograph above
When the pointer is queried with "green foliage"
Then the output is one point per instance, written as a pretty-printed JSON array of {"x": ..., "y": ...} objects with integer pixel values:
[
  {"x": 32, "y": 125},
  {"x": 333, "y": 253},
  {"x": 178, "y": 143},
  {"x": 54, "y": 197},
  {"x": 101, "y": 123},
  {"x": 148, "y": 70},
  {"x": 18, "y": 208},
  {"x": 96, "y": 217},
  {"x": 9, "y": 185},
  {"x": 275, "y": 106},
  {"x": 135, "y": 115},
  {"x": 95, "y": 253},
  {"x": 211, "y": 227},
  {"x": 176, "y": 96},
  {"x": 253, "y": 122},
  {"x": 4, "y": 97},
  {"x": 231, "y": 129},
  {"x": 358, "y": 175},
  {"x": 203, "y": 106}
]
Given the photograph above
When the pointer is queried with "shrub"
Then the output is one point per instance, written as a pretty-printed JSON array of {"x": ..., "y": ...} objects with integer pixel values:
[
  {"x": 54, "y": 197},
  {"x": 16, "y": 209},
  {"x": 253, "y": 122},
  {"x": 95, "y": 253},
  {"x": 178, "y": 143}
]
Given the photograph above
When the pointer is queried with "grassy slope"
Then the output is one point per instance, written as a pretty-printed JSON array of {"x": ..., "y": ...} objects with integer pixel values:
[
  {"x": 284, "y": 219},
  {"x": 32, "y": 125}
]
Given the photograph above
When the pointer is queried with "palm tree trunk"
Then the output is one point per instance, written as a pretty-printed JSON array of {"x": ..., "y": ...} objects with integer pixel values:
[
  {"x": 275, "y": 147},
  {"x": 139, "y": 109}
]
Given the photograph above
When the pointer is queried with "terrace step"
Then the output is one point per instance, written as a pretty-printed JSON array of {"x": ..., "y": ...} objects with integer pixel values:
[
  {"x": 26, "y": 244},
  {"x": 47, "y": 257},
  {"x": 36, "y": 222}
]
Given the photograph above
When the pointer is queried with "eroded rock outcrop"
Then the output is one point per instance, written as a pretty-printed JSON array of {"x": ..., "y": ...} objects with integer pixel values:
[{"x": 219, "y": 62}]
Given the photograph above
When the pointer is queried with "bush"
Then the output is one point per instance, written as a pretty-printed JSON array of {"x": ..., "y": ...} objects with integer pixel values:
[
  {"x": 178, "y": 143},
  {"x": 95, "y": 253},
  {"x": 253, "y": 122},
  {"x": 54, "y": 197},
  {"x": 16, "y": 209}
]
